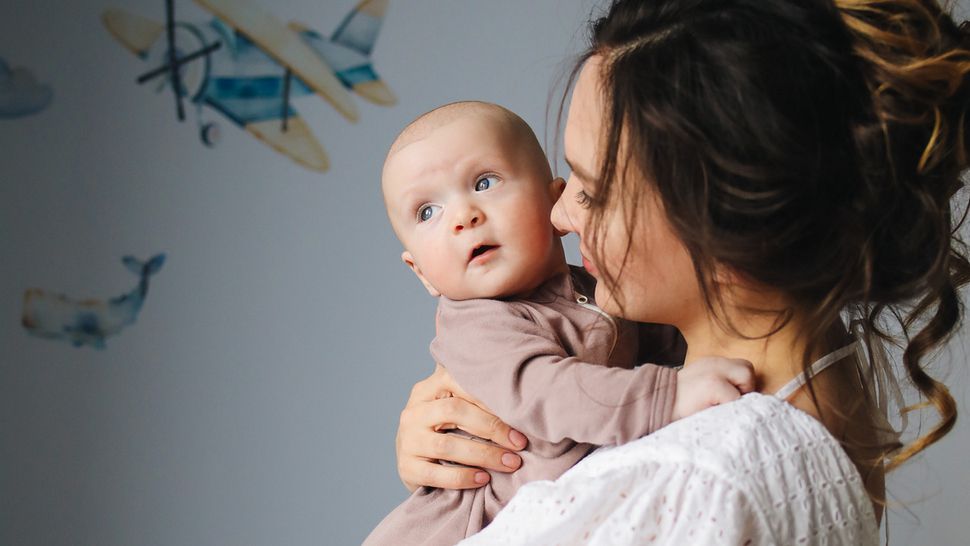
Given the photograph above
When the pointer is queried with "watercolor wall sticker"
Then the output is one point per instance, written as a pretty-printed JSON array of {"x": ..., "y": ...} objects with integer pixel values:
[
  {"x": 20, "y": 93},
  {"x": 88, "y": 322},
  {"x": 246, "y": 65}
]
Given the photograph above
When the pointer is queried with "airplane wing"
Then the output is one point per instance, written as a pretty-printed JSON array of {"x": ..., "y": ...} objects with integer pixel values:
[
  {"x": 354, "y": 69},
  {"x": 297, "y": 142},
  {"x": 134, "y": 32},
  {"x": 285, "y": 47},
  {"x": 360, "y": 28},
  {"x": 256, "y": 104}
]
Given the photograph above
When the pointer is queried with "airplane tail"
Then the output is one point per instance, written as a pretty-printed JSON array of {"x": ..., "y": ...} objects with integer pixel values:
[
  {"x": 144, "y": 269},
  {"x": 360, "y": 28},
  {"x": 347, "y": 52},
  {"x": 359, "y": 31}
]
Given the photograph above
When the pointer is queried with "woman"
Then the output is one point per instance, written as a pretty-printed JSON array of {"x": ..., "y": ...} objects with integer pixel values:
[{"x": 756, "y": 174}]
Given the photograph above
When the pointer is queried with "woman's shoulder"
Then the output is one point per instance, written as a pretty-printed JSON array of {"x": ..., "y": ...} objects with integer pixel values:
[
  {"x": 755, "y": 470},
  {"x": 784, "y": 464},
  {"x": 756, "y": 437},
  {"x": 735, "y": 439}
]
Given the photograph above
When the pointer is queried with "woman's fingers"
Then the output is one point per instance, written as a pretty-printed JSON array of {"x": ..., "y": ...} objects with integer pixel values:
[
  {"x": 454, "y": 412},
  {"x": 462, "y": 450},
  {"x": 419, "y": 452},
  {"x": 433, "y": 474},
  {"x": 437, "y": 404}
]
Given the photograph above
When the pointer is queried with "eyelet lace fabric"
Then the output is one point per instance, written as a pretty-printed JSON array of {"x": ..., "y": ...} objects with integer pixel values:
[{"x": 753, "y": 472}]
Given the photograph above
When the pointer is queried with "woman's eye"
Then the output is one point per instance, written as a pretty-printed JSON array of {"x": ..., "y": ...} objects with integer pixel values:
[
  {"x": 485, "y": 183},
  {"x": 426, "y": 212},
  {"x": 583, "y": 199}
]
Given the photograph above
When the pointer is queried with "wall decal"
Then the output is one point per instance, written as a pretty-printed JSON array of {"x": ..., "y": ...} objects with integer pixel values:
[
  {"x": 247, "y": 65},
  {"x": 20, "y": 93},
  {"x": 90, "y": 321}
]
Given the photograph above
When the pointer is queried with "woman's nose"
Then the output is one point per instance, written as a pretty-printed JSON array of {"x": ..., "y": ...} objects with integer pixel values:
[{"x": 561, "y": 219}]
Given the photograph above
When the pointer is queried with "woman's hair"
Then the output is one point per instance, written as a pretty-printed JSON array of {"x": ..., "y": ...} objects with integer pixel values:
[{"x": 809, "y": 146}]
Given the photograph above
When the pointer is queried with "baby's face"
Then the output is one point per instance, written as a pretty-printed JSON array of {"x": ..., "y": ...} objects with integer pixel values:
[{"x": 472, "y": 209}]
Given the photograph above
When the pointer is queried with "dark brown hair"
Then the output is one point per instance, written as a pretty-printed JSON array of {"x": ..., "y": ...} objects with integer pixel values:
[{"x": 810, "y": 146}]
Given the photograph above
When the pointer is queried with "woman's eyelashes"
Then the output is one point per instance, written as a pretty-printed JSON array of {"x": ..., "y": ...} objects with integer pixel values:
[{"x": 583, "y": 199}]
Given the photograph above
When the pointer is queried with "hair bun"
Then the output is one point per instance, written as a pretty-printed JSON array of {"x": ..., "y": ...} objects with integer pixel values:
[
  {"x": 913, "y": 153},
  {"x": 916, "y": 61}
]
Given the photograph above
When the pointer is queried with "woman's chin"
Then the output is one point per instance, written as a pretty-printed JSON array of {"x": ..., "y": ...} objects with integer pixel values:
[{"x": 606, "y": 300}]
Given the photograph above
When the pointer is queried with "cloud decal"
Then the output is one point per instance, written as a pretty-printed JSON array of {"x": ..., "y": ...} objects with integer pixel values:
[{"x": 20, "y": 93}]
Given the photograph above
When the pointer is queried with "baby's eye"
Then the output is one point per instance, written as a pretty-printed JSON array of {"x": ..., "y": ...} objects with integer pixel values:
[
  {"x": 485, "y": 183},
  {"x": 426, "y": 212}
]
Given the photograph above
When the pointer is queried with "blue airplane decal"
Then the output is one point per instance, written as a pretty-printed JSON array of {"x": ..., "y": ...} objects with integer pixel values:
[{"x": 247, "y": 66}]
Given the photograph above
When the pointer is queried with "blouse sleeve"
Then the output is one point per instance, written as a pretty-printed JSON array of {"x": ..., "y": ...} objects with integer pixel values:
[
  {"x": 658, "y": 503},
  {"x": 753, "y": 472}
]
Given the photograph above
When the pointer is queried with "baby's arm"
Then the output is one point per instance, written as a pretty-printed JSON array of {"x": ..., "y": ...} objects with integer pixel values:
[{"x": 523, "y": 375}]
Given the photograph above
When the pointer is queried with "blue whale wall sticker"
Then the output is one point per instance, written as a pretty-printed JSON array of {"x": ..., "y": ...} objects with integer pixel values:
[{"x": 87, "y": 322}]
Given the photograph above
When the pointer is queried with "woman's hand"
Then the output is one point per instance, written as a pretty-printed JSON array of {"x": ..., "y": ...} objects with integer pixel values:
[{"x": 438, "y": 404}]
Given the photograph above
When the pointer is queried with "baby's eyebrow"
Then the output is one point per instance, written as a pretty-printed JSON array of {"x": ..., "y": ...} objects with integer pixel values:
[
  {"x": 412, "y": 193},
  {"x": 409, "y": 199}
]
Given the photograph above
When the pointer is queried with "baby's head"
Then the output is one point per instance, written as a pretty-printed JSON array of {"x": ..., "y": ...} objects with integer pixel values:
[{"x": 468, "y": 191}]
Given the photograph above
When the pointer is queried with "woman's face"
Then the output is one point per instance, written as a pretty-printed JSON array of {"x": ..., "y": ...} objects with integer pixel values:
[{"x": 657, "y": 283}]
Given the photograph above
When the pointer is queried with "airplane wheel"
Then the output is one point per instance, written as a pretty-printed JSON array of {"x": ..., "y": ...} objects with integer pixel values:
[{"x": 209, "y": 134}]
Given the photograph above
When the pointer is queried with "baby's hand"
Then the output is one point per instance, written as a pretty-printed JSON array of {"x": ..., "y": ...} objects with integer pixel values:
[{"x": 711, "y": 381}]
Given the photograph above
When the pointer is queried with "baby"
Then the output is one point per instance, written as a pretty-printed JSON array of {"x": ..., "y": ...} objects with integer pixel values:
[{"x": 469, "y": 193}]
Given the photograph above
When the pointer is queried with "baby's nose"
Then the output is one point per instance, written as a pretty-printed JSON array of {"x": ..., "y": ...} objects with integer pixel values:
[
  {"x": 471, "y": 222},
  {"x": 471, "y": 218}
]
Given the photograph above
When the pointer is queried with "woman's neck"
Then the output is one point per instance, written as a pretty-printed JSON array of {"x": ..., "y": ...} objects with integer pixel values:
[
  {"x": 777, "y": 358},
  {"x": 840, "y": 404}
]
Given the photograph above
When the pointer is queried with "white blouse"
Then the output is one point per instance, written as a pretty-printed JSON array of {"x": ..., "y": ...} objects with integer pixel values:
[{"x": 757, "y": 471}]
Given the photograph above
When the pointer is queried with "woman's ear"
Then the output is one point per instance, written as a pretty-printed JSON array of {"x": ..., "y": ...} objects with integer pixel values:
[
  {"x": 408, "y": 259},
  {"x": 724, "y": 276},
  {"x": 730, "y": 279}
]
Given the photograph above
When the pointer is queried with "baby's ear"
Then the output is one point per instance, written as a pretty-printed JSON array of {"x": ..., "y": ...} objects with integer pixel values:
[
  {"x": 556, "y": 187},
  {"x": 408, "y": 259}
]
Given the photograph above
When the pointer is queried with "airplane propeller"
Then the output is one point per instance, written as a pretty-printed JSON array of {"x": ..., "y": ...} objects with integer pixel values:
[{"x": 175, "y": 62}]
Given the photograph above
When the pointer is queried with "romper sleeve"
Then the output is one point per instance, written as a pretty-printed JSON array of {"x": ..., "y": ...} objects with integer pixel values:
[{"x": 520, "y": 371}]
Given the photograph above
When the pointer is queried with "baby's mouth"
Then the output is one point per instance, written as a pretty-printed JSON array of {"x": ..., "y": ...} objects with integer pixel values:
[{"x": 481, "y": 249}]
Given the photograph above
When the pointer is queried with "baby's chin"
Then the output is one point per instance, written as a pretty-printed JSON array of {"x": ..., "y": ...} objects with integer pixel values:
[
  {"x": 511, "y": 290},
  {"x": 495, "y": 294}
]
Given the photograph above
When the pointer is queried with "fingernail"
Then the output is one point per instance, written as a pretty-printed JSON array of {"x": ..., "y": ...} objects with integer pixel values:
[
  {"x": 517, "y": 438},
  {"x": 481, "y": 477},
  {"x": 511, "y": 460}
]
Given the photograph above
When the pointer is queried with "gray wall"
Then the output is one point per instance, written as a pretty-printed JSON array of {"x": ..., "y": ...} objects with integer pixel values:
[{"x": 256, "y": 398}]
